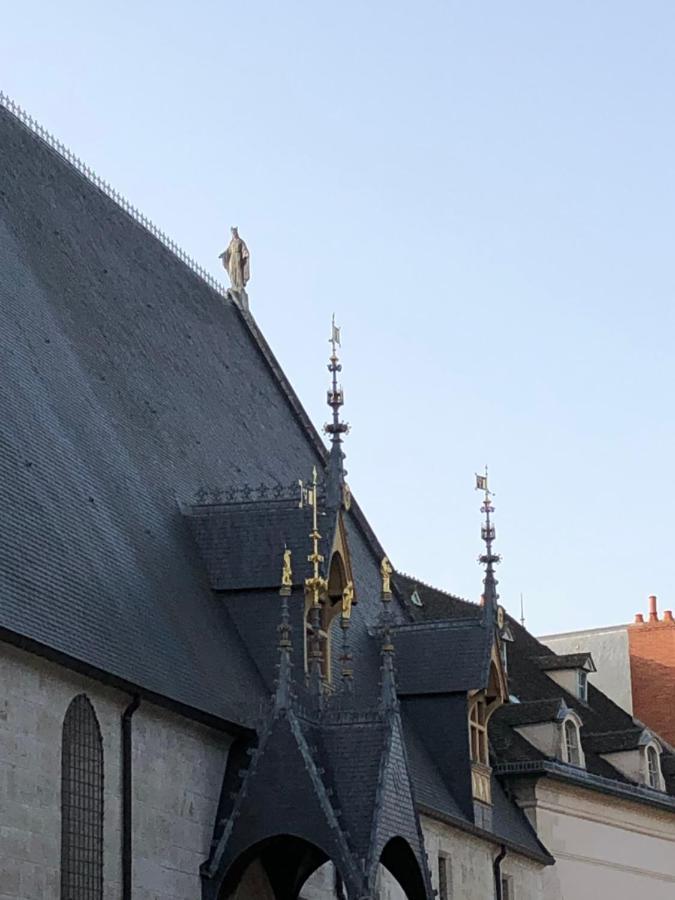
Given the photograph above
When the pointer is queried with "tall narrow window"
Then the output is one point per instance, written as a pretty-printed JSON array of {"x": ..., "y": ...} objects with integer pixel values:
[
  {"x": 444, "y": 878},
  {"x": 572, "y": 743},
  {"x": 582, "y": 685},
  {"x": 81, "y": 803},
  {"x": 653, "y": 768},
  {"x": 478, "y": 727},
  {"x": 507, "y": 888}
]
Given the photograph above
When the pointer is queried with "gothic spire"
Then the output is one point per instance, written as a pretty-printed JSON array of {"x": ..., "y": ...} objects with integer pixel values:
[
  {"x": 337, "y": 492},
  {"x": 488, "y": 559}
]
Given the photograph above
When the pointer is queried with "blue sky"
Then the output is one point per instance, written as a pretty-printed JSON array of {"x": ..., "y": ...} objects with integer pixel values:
[{"x": 482, "y": 192}]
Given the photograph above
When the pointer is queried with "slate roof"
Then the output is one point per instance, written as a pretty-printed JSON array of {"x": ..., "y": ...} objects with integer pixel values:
[
  {"x": 127, "y": 385},
  {"x": 242, "y": 544},
  {"x": 540, "y": 694},
  {"x": 562, "y": 661},
  {"x": 532, "y": 712},
  {"x": 441, "y": 657}
]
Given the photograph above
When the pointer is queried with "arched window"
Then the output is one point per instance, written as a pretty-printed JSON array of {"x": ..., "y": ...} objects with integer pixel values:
[
  {"x": 653, "y": 768},
  {"x": 81, "y": 803},
  {"x": 572, "y": 749},
  {"x": 478, "y": 728}
]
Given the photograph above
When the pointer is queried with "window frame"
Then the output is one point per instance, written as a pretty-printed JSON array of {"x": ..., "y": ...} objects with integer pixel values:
[
  {"x": 582, "y": 685},
  {"x": 82, "y": 802},
  {"x": 444, "y": 877},
  {"x": 654, "y": 777}
]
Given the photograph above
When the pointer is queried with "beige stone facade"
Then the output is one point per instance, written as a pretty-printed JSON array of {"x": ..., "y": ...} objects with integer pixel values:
[
  {"x": 178, "y": 768},
  {"x": 604, "y": 846}
]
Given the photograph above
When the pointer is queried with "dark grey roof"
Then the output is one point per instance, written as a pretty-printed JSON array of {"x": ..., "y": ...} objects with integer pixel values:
[
  {"x": 127, "y": 385},
  {"x": 614, "y": 741},
  {"x": 442, "y": 657},
  {"x": 532, "y": 712},
  {"x": 242, "y": 545},
  {"x": 561, "y": 661},
  {"x": 530, "y": 684}
]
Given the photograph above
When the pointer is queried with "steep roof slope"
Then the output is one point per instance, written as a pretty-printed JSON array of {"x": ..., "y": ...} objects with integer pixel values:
[
  {"x": 529, "y": 682},
  {"x": 127, "y": 384}
]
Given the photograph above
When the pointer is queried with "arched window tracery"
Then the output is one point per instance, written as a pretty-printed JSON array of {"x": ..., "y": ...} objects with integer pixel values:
[{"x": 81, "y": 803}]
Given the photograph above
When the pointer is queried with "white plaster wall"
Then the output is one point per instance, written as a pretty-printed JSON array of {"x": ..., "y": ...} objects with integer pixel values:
[
  {"x": 178, "y": 769},
  {"x": 609, "y": 649},
  {"x": 604, "y": 847}
]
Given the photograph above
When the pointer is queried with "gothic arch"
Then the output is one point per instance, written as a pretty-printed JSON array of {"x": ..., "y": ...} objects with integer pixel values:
[
  {"x": 400, "y": 860},
  {"x": 81, "y": 803},
  {"x": 273, "y": 869}
]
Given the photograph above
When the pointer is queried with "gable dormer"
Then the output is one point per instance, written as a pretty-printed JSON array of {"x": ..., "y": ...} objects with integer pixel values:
[
  {"x": 635, "y": 752},
  {"x": 569, "y": 670}
]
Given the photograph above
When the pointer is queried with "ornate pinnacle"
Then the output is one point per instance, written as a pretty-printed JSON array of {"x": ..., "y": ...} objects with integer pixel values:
[
  {"x": 336, "y": 488},
  {"x": 488, "y": 559}
]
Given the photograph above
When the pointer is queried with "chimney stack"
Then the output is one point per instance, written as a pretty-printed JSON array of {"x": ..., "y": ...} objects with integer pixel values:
[
  {"x": 668, "y": 616},
  {"x": 639, "y": 619},
  {"x": 653, "y": 615}
]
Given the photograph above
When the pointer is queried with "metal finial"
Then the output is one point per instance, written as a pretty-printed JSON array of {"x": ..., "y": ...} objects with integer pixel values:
[
  {"x": 337, "y": 492},
  {"x": 488, "y": 559}
]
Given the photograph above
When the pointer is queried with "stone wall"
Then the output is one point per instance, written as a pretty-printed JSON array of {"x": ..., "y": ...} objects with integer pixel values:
[
  {"x": 468, "y": 864},
  {"x": 177, "y": 769}
]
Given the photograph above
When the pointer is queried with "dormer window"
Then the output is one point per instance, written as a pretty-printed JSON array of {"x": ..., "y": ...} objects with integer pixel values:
[
  {"x": 653, "y": 768},
  {"x": 635, "y": 752},
  {"x": 572, "y": 743},
  {"x": 652, "y": 765},
  {"x": 478, "y": 727},
  {"x": 569, "y": 670}
]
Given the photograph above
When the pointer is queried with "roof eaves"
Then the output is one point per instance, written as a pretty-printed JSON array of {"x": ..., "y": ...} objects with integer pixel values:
[
  {"x": 581, "y": 778},
  {"x": 469, "y": 827}
]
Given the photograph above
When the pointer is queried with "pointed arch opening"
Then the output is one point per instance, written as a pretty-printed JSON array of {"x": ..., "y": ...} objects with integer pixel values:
[
  {"x": 273, "y": 869},
  {"x": 400, "y": 861},
  {"x": 81, "y": 803}
]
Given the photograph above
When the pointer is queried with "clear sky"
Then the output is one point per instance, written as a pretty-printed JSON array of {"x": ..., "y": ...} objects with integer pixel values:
[{"x": 482, "y": 192}]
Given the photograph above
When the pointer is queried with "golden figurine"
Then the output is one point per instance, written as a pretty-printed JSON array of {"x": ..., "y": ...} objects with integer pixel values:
[
  {"x": 386, "y": 571},
  {"x": 347, "y": 600},
  {"x": 286, "y": 574}
]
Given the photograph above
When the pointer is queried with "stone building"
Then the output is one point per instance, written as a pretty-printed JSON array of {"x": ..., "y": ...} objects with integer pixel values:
[
  {"x": 635, "y": 664},
  {"x": 214, "y": 684}
]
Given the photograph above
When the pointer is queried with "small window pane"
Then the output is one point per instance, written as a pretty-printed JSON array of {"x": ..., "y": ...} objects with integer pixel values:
[
  {"x": 507, "y": 888},
  {"x": 582, "y": 685}
]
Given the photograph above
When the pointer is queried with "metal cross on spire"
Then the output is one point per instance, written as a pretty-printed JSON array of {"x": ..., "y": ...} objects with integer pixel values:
[
  {"x": 337, "y": 492},
  {"x": 488, "y": 559}
]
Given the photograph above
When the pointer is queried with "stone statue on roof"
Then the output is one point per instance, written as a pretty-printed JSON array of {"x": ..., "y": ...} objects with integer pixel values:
[{"x": 236, "y": 260}]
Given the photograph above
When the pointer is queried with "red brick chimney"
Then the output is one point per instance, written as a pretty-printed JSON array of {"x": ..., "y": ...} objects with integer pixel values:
[
  {"x": 653, "y": 615},
  {"x": 652, "y": 666}
]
